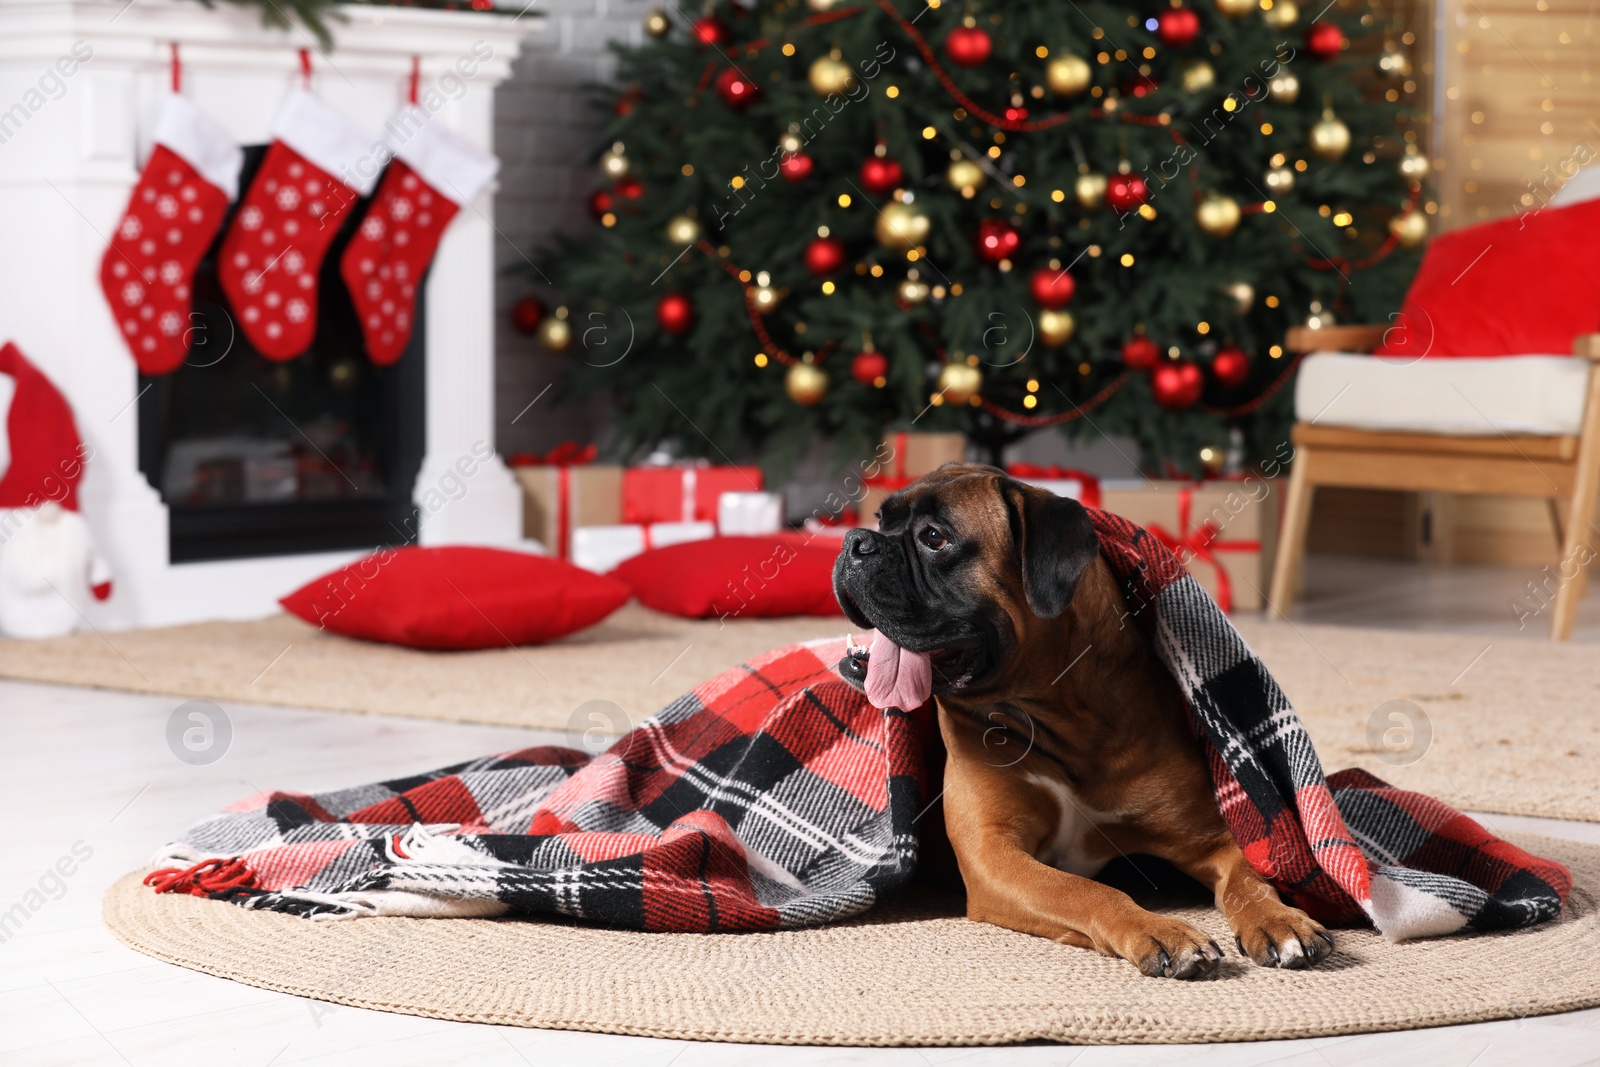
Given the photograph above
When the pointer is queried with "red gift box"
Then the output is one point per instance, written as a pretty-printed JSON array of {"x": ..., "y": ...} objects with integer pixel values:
[{"x": 681, "y": 494}]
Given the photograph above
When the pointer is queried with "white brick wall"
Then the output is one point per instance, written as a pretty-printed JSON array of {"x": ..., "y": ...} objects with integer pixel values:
[{"x": 545, "y": 134}]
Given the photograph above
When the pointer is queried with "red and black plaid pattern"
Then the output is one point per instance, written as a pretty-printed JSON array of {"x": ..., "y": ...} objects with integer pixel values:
[{"x": 776, "y": 796}]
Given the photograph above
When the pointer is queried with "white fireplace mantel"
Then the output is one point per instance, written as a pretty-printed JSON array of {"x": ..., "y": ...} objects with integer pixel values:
[{"x": 68, "y": 161}]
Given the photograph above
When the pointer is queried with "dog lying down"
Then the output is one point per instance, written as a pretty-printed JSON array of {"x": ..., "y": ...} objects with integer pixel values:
[{"x": 1092, "y": 701}]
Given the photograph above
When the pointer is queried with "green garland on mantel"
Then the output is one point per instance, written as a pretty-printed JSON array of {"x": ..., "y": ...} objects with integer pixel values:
[{"x": 314, "y": 15}]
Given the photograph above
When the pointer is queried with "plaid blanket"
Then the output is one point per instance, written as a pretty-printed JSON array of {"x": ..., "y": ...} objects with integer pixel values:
[{"x": 775, "y": 796}]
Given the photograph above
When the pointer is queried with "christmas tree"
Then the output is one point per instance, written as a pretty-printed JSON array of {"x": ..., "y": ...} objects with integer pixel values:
[{"x": 823, "y": 220}]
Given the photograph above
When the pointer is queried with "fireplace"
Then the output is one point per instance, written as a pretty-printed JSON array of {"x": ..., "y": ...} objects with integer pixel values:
[
  {"x": 204, "y": 505},
  {"x": 254, "y": 457}
]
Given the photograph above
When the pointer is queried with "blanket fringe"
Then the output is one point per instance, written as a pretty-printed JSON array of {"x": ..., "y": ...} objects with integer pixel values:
[{"x": 207, "y": 878}]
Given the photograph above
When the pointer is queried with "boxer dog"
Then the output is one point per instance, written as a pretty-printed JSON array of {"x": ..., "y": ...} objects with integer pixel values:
[{"x": 991, "y": 596}]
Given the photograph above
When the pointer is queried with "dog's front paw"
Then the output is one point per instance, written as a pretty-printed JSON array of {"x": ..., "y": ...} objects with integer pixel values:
[
  {"x": 1168, "y": 948},
  {"x": 1282, "y": 936}
]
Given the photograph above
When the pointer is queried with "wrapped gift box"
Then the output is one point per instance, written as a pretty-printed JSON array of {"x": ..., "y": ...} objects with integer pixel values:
[
  {"x": 1226, "y": 532},
  {"x": 682, "y": 493},
  {"x": 601, "y": 548},
  {"x": 744, "y": 514},
  {"x": 903, "y": 458},
  {"x": 560, "y": 496},
  {"x": 1062, "y": 481}
]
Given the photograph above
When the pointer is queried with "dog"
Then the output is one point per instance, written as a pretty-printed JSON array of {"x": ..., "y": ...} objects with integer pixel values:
[{"x": 991, "y": 596}]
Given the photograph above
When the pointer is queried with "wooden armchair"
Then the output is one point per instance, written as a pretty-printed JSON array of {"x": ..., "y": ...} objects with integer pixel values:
[{"x": 1563, "y": 468}]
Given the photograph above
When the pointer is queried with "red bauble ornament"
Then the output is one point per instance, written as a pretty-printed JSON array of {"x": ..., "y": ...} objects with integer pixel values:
[
  {"x": 869, "y": 366},
  {"x": 1126, "y": 192},
  {"x": 675, "y": 313},
  {"x": 1231, "y": 366},
  {"x": 1324, "y": 40},
  {"x": 796, "y": 167},
  {"x": 628, "y": 187},
  {"x": 526, "y": 314},
  {"x": 880, "y": 175},
  {"x": 600, "y": 202},
  {"x": 1176, "y": 385},
  {"x": 736, "y": 90},
  {"x": 997, "y": 239},
  {"x": 825, "y": 255},
  {"x": 1051, "y": 288},
  {"x": 968, "y": 46},
  {"x": 1178, "y": 27},
  {"x": 1140, "y": 353},
  {"x": 709, "y": 31}
]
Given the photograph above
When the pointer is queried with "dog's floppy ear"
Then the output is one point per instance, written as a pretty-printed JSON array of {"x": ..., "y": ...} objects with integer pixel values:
[{"x": 1055, "y": 541}]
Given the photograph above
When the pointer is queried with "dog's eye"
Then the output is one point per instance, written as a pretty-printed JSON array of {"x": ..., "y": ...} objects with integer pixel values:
[{"x": 931, "y": 537}]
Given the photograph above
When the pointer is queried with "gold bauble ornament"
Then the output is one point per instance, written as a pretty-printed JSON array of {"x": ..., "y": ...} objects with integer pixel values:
[
  {"x": 806, "y": 384},
  {"x": 1414, "y": 165},
  {"x": 821, "y": 5},
  {"x": 613, "y": 161},
  {"x": 1329, "y": 138},
  {"x": 912, "y": 291},
  {"x": 1243, "y": 295},
  {"x": 683, "y": 230},
  {"x": 656, "y": 24},
  {"x": 1196, "y": 76},
  {"x": 1218, "y": 215},
  {"x": 1282, "y": 14},
  {"x": 1279, "y": 180},
  {"x": 965, "y": 176},
  {"x": 1235, "y": 9},
  {"x": 901, "y": 226},
  {"x": 1090, "y": 189},
  {"x": 1393, "y": 63},
  {"x": 1068, "y": 75},
  {"x": 959, "y": 382},
  {"x": 555, "y": 332},
  {"x": 1284, "y": 88},
  {"x": 829, "y": 76},
  {"x": 1056, "y": 327},
  {"x": 1410, "y": 228}
]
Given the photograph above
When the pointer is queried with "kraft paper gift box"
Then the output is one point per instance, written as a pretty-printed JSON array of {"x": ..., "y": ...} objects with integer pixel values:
[
  {"x": 558, "y": 498},
  {"x": 904, "y": 457},
  {"x": 682, "y": 493},
  {"x": 1225, "y": 531},
  {"x": 601, "y": 548}
]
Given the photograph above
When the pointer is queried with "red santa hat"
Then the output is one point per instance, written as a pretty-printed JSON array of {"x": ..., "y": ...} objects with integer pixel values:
[{"x": 47, "y": 454}]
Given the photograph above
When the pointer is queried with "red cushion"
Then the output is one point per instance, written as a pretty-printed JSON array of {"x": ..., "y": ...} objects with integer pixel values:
[
  {"x": 736, "y": 577},
  {"x": 1513, "y": 287},
  {"x": 457, "y": 598}
]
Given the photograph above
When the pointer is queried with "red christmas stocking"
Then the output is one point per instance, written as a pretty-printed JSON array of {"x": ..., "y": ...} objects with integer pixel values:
[
  {"x": 273, "y": 252},
  {"x": 434, "y": 173},
  {"x": 174, "y": 214}
]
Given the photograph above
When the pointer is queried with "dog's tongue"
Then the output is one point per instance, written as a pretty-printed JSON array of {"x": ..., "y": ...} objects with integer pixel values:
[{"x": 896, "y": 677}]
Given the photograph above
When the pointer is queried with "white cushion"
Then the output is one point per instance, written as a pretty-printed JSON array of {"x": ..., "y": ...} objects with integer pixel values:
[
  {"x": 1508, "y": 394},
  {"x": 1584, "y": 185}
]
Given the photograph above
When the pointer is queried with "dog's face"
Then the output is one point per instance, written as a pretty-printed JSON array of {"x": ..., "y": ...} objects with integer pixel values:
[{"x": 966, "y": 563}]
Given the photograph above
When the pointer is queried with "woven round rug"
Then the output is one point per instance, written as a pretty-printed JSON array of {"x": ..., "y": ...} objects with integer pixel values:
[{"x": 910, "y": 972}]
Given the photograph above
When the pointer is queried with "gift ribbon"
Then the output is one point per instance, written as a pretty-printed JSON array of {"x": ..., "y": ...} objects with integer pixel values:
[
  {"x": 563, "y": 458},
  {"x": 1202, "y": 542},
  {"x": 1054, "y": 472},
  {"x": 899, "y": 479}
]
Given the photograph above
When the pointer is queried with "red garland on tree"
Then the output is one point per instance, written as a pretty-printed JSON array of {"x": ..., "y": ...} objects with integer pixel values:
[
  {"x": 1139, "y": 353},
  {"x": 526, "y": 314},
  {"x": 1231, "y": 366},
  {"x": 1176, "y": 384},
  {"x": 1125, "y": 192},
  {"x": 825, "y": 255},
  {"x": 1051, "y": 288},
  {"x": 1178, "y": 27},
  {"x": 675, "y": 313},
  {"x": 968, "y": 46},
  {"x": 881, "y": 175},
  {"x": 997, "y": 239},
  {"x": 736, "y": 90},
  {"x": 710, "y": 31},
  {"x": 1324, "y": 40},
  {"x": 869, "y": 366},
  {"x": 796, "y": 167}
]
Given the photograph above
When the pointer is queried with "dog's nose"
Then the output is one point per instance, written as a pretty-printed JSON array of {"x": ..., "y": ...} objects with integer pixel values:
[{"x": 860, "y": 543}]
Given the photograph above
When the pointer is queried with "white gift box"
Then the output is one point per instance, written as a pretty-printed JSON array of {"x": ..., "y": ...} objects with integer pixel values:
[
  {"x": 1071, "y": 488},
  {"x": 744, "y": 514},
  {"x": 601, "y": 548}
]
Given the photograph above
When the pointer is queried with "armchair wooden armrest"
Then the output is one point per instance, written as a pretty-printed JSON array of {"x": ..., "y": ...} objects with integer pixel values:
[
  {"x": 1362, "y": 338},
  {"x": 1587, "y": 345}
]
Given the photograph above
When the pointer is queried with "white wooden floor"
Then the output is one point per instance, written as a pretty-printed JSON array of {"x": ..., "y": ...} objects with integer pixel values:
[{"x": 92, "y": 770}]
